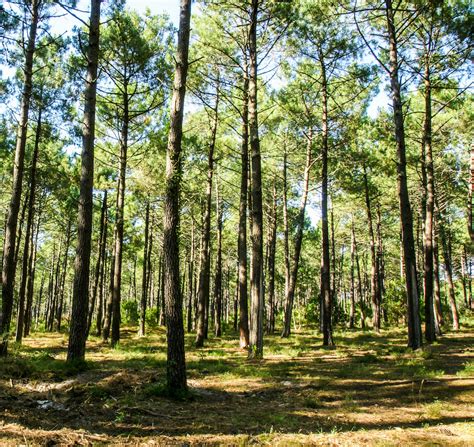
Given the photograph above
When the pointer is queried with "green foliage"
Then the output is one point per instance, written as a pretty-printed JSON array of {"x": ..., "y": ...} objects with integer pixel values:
[{"x": 129, "y": 311}]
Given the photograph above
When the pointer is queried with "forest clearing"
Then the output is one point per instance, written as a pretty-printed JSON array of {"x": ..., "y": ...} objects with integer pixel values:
[
  {"x": 237, "y": 222},
  {"x": 370, "y": 390}
]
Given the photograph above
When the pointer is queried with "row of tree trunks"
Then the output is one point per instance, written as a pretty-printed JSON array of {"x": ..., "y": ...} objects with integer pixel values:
[{"x": 9, "y": 249}]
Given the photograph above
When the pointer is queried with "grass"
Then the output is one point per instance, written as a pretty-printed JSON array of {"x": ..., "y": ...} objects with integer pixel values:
[{"x": 298, "y": 394}]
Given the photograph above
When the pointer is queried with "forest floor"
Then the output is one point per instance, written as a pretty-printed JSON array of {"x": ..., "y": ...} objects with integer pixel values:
[{"x": 370, "y": 390}]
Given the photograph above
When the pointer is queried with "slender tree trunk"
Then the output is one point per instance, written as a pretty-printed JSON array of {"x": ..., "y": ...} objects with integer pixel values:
[
  {"x": 80, "y": 299},
  {"x": 8, "y": 269},
  {"x": 242, "y": 238},
  {"x": 326, "y": 295},
  {"x": 108, "y": 304},
  {"x": 449, "y": 276},
  {"x": 438, "y": 312},
  {"x": 256, "y": 277},
  {"x": 62, "y": 280},
  {"x": 430, "y": 332},
  {"x": 102, "y": 276},
  {"x": 286, "y": 237},
  {"x": 119, "y": 224},
  {"x": 205, "y": 273},
  {"x": 353, "y": 292},
  {"x": 31, "y": 278},
  {"x": 373, "y": 256},
  {"x": 298, "y": 237},
  {"x": 218, "y": 279},
  {"x": 381, "y": 267},
  {"x": 176, "y": 366},
  {"x": 271, "y": 265},
  {"x": 143, "y": 301},
  {"x": 100, "y": 260},
  {"x": 413, "y": 317},
  {"x": 463, "y": 276},
  {"x": 28, "y": 239},
  {"x": 191, "y": 281},
  {"x": 471, "y": 197}
]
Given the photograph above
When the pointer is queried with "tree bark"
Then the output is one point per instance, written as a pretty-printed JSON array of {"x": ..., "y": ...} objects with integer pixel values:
[
  {"x": 218, "y": 277},
  {"x": 80, "y": 299},
  {"x": 256, "y": 277},
  {"x": 326, "y": 295},
  {"x": 408, "y": 244},
  {"x": 176, "y": 366},
  {"x": 8, "y": 268},
  {"x": 271, "y": 265},
  {"x": 62, "y": 280},
  {"x": 430, "y": 332},
  {"x": 191, "y": 281},
  {"x": 31, "y": 278},
  {"x": 242, "y": 238},
  {"x": 373, "y": 256},
  {"x": 100, "y": 261},
  {"x": 353, "y": 292},
  {"x": 143, "y": 301}
]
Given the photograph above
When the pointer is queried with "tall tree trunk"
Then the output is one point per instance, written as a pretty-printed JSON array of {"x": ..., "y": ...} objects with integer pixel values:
[
  {"x": 108, "y": 304},
  {"x": 408, "y": 243},
  {"x": 176, "y": 366},
  {"x": 430, "y": 333},
  {"x": 100, "y": 260},
  {"x": 242, "y": 238},
  {"x": 218, "y": 278},
  {"x": 8, "y": 269},
  {"x": 205, "y": 273},
  {"x": 353, "y": 292},
  {"x": 298, "y": 237},
  {"x": 326, "y": 295},
  {"x": 271, "y": 265},
  {"x": 80, "y": 298},
  {"x": 373, "y": 256},
  {"x": 28, "y": 239},
  {"x": 31, "y": 277},
  {"x": 119, "y": 224},
  {"x": 438, "y": 312},
  {"x": 191, "y": 281},
  {"x": 102, "y": 285},
  {"x": 286, "y": 235},
  {"x": 448, "y": 266},
  {"x": 471, "y": 197},
  {"x": 463, "y": 276},
  {"x": 380, "y": 266},
  {"x": 62, "y": 281},
  {"x": 143, "y": 301},
  {"x": 256, "y": 276}
]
